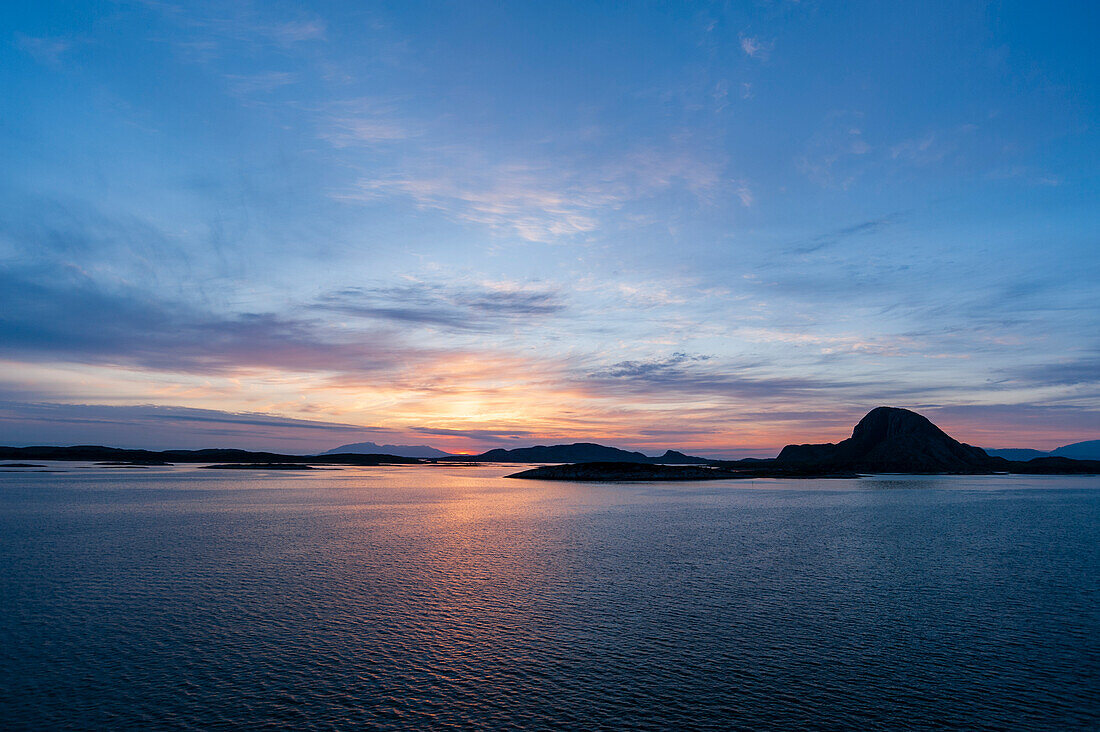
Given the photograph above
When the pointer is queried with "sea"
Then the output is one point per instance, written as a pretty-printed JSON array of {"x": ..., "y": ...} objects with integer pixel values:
[{"x": 450, "y": 597}]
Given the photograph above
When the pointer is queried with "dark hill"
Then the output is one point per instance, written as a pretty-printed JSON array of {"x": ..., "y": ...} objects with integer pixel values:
[
  {"x": 892, "y": 440},
  {"x": 620, "y": 472},
  {"x": 583, "y": 452},
  {"x": 148, "y": 457},
  {"x": 1087, "y": 450},
  {"x": 887, "y": 440},
  {"x": 1014, "y": 453},
  {"x": 370, "y": 448},
  {"x": 623, "y": 471},
  {"x": 1056, "y": 466}
]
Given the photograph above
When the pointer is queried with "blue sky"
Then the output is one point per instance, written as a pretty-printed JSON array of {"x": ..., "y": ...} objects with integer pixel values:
[{"x": 718, "y": 227}]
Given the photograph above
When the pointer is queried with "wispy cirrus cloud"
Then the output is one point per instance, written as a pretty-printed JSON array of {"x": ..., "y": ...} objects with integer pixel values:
[
  {"x": 932, "y": 147},
  {"x": 365, "y": 122},
  {"x": 756, "y": 48},
  {"x": 45, "y": 50},
  {"x": 835, "y": 155},
  {"x": 1082, "y": 371},
  {"x": 242, "y": 22},
  {"x": 836, "y": 236},
  {"x": 475, "y": 434},
  {"x": 166, "y": 427},
  {"x": 658, "y": 368},
  {"x": 703, "y": 377},
  {"x": 263, "y": 83},
  {"x": 472, "y": 308},
  {"x": 294, "y": 31},
  {"x": 76, "y": 319},
  {"x": 126, "y": 414},
  {"x": 543, "y": 201},
  {"x": 1037, "y": 425}
]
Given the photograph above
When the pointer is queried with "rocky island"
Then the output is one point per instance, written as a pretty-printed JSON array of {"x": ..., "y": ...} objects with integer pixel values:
[{"x": 886, "y": 440}]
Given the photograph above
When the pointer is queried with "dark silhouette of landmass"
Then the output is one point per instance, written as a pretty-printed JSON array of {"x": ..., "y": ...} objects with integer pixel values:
[
  {"x": 887, "y": 440},
  {"x": 1015, "y": 453},
  {"x": 582, "y": 452},
  {"x": 625, "y": 472},
  {"x": 96, "y": 453},
  {"x": 370, "y": 448},
  {"x": 1087, "y": 450},
  {"x": 1054, "y": 466},
  {"x": 891, "y": 440},
  {"x": 621, "y": 471},
  {"x": 263, "y": 466}
]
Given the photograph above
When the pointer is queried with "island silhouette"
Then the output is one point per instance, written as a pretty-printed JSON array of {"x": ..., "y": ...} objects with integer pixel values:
[{"x": 886, "y": 440}]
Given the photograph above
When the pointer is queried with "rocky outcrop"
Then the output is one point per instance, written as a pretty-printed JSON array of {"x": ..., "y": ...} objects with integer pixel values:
[
  {"x": 583, "y": 452},
  {"x": 615, "y": 472},
  {"x": 893, "y": 440}
]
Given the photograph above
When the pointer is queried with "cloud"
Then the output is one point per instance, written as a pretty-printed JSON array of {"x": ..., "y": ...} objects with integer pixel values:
[
  {"x": 69, "y": 317},
  {"x": 924, "y": 150},
  {"x": 475, "y": 434},
  {"x": 364, "y": 122},
  {"x": 244, "y": 84},
  {"x": 1067, "y": 372},
  {"x": 1040, "y": 426},
  {"x": 744, "y": 193},
  {"x": 652, "y": 368},
  {"x": 756, "y": 48},
  {"x": 210, "y": 30},
  {"x": 477, "y": 308},
  {"x": 165, "y": 427},
  {"x": 862, "y": 228},
  {"x": 702, "y": 376},
  {"x": 43, "y": 237},
  {"x": 113, "y": 414},
  {"x": 295, "y": 31},
  {"x": 515, "y": 199},
  {"x": 539, "y": 201},
  {"x": 835, "y": 155},
  {"x": 47, "y": 51},
  {"x": 240, "y": 23}
]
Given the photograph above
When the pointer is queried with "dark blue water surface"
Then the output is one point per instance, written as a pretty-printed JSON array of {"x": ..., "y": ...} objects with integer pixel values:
[{"x": 447, "y": 597}]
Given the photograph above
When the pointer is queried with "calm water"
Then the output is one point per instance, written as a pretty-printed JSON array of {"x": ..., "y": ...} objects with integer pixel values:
[{"x": 435, "y": 598}]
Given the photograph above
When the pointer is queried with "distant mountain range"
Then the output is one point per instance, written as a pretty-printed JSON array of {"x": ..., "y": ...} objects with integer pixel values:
[
  {"x": 1088, "y": 450},
  {"x": 578, "y": 452},
  {"x": 886, "y": 440},
  {"x": 590, "y": 452},
  {"x": 583, "y": 452},
  {"x": 123, "y": 456},
  {"x": 370, "y": 448}
]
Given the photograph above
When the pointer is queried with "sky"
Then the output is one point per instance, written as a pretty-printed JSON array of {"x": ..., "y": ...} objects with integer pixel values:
[{"x": 719, "y": 228}]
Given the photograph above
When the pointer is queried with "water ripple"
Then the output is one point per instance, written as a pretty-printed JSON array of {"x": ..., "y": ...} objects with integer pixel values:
[{"x": 435, "y": 599}]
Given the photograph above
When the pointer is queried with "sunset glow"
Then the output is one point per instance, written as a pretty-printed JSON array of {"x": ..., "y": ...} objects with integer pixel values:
[{"x": 261, "y": 226}]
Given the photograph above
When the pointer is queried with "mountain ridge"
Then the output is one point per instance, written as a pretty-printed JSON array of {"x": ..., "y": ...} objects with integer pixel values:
[
  {"x": 1084, "y": 450},
  {"x": 371, "y": 448},
  {"x": 583, "y": 452},
  {"x": 886, "y": 440},
  {"x": 208, "y": 455}
]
